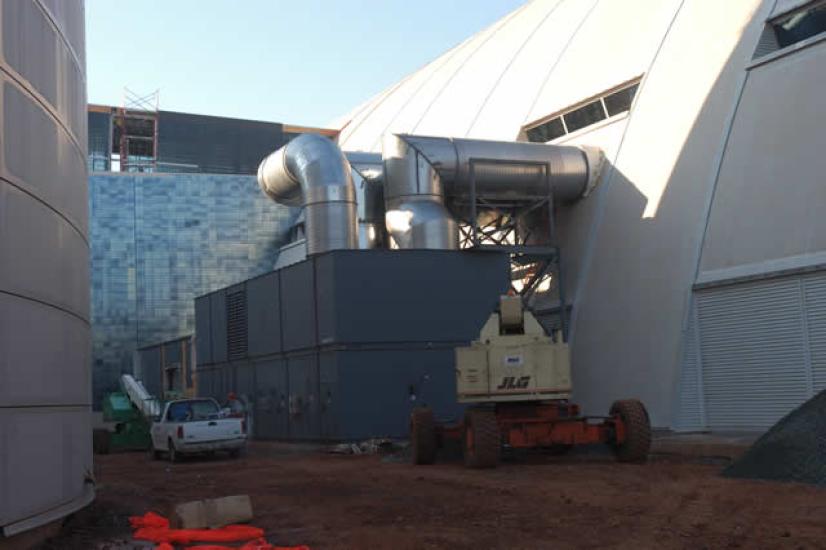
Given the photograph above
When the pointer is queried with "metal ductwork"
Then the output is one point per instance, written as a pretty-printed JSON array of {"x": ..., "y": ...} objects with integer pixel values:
[
  {"x": 312, "y": 172},
  {"x": 431, "y": 170},
  {"x": 415, "y": 213}
]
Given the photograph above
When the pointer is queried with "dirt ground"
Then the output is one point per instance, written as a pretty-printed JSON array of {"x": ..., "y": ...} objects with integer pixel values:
[{"x": 373, "y": 502}]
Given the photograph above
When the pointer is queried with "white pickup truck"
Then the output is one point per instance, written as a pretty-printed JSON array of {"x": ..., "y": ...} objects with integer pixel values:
[{"x": 191, "y": 426}]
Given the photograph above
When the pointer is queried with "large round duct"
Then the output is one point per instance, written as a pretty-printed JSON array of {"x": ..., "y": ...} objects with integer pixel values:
[
  {"x": 312, "y": 172},
  {"x": 422, "y": 174}
]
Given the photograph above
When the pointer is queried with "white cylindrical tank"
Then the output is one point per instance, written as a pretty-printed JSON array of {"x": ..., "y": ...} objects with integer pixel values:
[{"x": 45, "y": 383}]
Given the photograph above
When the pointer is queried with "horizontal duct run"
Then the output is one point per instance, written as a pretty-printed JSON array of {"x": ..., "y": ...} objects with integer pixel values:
[
  {"x": 421, "y": 173},
  {"x": 312, "y": 172}
]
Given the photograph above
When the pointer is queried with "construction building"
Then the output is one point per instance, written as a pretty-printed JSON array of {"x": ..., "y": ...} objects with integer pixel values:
[
  {"x": 694, "y": 262},
  {"x": 174, "y": 212}
]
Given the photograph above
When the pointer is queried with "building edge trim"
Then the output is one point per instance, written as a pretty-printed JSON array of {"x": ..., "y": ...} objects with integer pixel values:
[{"x": 52, "y": 514}]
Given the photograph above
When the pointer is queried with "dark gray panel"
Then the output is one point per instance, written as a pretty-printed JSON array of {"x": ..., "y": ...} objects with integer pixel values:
[
  {"x": 382, "y": 296},
  {"x": 203, "y": 349},
  {"x": 172, "y": 353},
  {"x": 304, "y": 403},
  {"x": 151, "y": 369},
  {"x": 218, "y": 326},
  {"x": 204, "y": 382},
  {"x": 271, "y": 399},
  {"x": 244, "y": 381},
  {"x": 264, "y": 312},
  {"x": 328, "y": 393},
  {"x": 215, "y": 145},
  {"x": 298, "y": 312},
  {"x": 375, "y": 401}
]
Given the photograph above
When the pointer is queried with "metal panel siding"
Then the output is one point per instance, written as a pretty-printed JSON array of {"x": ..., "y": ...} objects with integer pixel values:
[
  {"x": 298, "y": 308},
  {"x": 245, "y": 383},
  {"x": 236, "y": 323},
  {"x": 46, "y": 454},
  {"x": 814, "y": 291},
  {"x": 304, "y": 407},
  {"x": 203, "y": 349},
  {"x": 690, "y": 405},
  {"x": 271, "y": 399},
  {"x": 328, "y": 392},
  {"x": 151, "y": 368},
  {"x": 218, "y": 326},
  {"x": 374, "y": 400},
  {"x": 264, "y": 310},
  {"x": 753, "y": 356},
  {"x": 159, "y": 241},
  {"x": 382, "y": 296},
  {"x": 216, "y": 145},
  {"x": 45, "y": 398}
]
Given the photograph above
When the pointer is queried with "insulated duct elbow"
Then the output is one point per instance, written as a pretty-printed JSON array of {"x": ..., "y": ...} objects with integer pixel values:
[
  {"x": 415, "y": 213},
  {"x": 312, "y": 172}
]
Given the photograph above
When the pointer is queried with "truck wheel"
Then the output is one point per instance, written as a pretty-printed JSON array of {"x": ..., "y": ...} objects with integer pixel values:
[
  {"x": 481, "y": 441},
  {"x": 173, "y": 454},
  {"x": 423, "y": 436},
  {"x": 235, "y": 453},
  {"x": 637, "y": 431}
]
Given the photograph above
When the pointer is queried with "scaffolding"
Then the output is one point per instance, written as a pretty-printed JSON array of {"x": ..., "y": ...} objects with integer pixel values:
[{"x": 135, "y": 132}]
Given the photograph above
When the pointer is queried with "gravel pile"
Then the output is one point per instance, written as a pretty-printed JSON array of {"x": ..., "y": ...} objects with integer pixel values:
[{"x": 794, "y": 449}]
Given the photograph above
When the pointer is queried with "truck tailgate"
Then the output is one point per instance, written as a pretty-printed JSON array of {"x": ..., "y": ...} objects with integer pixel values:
[{"x": 204, "y": 431}]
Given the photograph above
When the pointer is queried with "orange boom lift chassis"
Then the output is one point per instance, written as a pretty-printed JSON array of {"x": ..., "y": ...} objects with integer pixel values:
[{"x": 516, "y": 381}]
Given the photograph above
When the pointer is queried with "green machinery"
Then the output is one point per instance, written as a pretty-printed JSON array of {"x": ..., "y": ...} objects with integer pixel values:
[{"x": 132, "y": 426}]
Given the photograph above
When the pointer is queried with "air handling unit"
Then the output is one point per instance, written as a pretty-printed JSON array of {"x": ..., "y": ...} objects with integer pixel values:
[{"x": 352, "y": 343}]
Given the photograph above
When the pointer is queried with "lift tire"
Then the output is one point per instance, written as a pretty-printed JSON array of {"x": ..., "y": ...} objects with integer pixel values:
[
  {"x": 481, "y": 442},
  {"x": 423, "y": 441},
  {"x": 637, "y": 431}
]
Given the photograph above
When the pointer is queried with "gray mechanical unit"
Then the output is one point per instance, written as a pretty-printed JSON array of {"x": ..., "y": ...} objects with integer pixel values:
[{"x": 343, "y": 345}]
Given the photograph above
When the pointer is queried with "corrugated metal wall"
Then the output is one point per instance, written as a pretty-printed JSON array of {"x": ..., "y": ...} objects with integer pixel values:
[{"x": 762, "y": 352}]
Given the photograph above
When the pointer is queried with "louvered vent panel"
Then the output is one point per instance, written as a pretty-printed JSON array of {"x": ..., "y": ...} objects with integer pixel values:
[
  {"x": 752, "y": 353},
  {"x": 237, "y": 325},
  {"x": 814, "y": 287},
  {"x": 767, "y": 43},
  {"x": 689, "y": 413}
]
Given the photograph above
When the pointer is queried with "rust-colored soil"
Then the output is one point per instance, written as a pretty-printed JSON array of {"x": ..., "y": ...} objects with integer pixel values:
[{"x": 366, "y": 502}]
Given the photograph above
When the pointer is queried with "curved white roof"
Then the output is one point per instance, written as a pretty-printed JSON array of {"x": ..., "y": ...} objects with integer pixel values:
[{"x": 541, "y": 58}]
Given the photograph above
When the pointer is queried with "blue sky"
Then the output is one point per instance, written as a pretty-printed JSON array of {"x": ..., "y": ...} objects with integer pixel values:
[{"x": 299, "y": 62}]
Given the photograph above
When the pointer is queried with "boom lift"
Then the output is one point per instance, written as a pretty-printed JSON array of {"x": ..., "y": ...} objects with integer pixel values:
[{"x": 516, "y": 381}]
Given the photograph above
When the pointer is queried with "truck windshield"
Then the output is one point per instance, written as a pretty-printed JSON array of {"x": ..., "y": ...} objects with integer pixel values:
[{"x": 185, "y": 411}]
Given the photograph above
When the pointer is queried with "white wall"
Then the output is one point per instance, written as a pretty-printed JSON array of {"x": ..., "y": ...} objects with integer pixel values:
[{"x": 770, "y": 197}]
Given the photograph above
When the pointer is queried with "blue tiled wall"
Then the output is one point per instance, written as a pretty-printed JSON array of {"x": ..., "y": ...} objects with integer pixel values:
[{"x": 160, "y": 240}]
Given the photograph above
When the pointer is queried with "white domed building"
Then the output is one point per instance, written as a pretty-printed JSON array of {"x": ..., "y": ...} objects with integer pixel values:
[{"x": 695, "y": 269}]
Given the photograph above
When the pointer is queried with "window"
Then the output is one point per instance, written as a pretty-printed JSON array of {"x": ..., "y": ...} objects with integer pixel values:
[
  {"x": 185, "y": 411},
  {"x": 620, "y": 101},
  {"x": 547, "y": 131},
  {"x": 801, "y": 25},
  {"x": 605, "y": 106},
  {"x": 585, "y": 116},
  {"x": 792, "y": 28}
]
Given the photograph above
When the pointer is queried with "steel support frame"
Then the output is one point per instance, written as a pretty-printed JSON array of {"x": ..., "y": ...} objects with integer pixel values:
[{"x": 494, "y": 235}]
